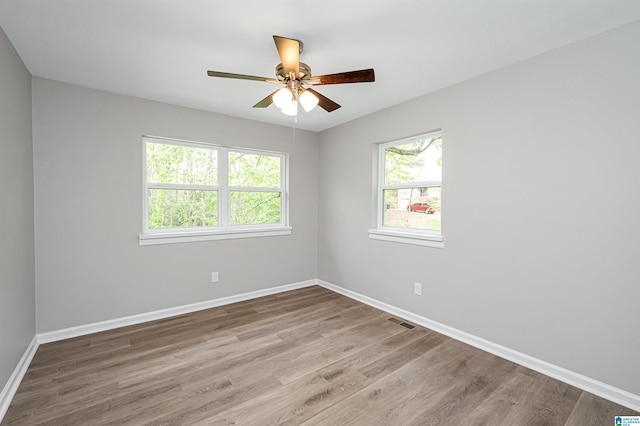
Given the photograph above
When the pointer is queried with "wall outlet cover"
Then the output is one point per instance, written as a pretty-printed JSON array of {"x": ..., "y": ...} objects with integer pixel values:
[{"x": 417, "y": 289}]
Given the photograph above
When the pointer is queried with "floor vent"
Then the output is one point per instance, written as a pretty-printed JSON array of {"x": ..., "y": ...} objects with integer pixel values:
[{"x": 402, "y": 323}]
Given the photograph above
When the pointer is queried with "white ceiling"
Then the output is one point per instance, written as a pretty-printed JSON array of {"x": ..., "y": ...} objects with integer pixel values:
[{"x": 161, "y": 49}]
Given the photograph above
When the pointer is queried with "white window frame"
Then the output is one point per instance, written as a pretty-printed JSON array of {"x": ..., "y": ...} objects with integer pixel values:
[
  {"x": 422, "y": 237},
  {"x": 224, "y": 230}
]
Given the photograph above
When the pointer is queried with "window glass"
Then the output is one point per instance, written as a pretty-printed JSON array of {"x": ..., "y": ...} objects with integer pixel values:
[
  {"x": 181, "y": 164},
  {"x": 410, "y": 189},
  {"x": 422, "y": 209},
  {"x": 255, "y": 207},
  {"x": 253, "y": 170},
  {"x": 418, "y": 161},
  {"x": 178, "y": 208}
]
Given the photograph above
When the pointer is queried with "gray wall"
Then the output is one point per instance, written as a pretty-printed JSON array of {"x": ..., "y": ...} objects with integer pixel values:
[
  {"x": 540, "y": 208},
  {"x": 17, "y": 280},
  {"x": 88, "y": 183}
]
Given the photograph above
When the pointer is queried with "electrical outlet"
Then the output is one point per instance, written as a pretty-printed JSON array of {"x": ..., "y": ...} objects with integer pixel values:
[
  {"x": 214, "y": 277},
  {"x": 417, "y": 289}
]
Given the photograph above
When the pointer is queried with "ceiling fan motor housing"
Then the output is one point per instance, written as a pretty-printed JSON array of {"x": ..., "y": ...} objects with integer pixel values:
[{"x": 282, "y": 75}]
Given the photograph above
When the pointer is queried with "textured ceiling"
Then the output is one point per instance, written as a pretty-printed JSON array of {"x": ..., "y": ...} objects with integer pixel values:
[{"x": 161, "y": 49}]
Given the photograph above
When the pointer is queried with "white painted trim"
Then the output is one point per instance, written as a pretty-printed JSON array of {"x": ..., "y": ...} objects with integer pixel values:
[
  {"x": 224, "y": 234},
  {"x": 588, "y": 384},
  {"x": 12, "y": 385},
  {"x": 67, "y": 333},
  {"x": 426, "y": 240}
]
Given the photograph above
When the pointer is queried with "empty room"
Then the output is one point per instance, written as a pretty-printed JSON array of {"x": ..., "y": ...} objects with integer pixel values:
[{"x": 346, "y": 213}]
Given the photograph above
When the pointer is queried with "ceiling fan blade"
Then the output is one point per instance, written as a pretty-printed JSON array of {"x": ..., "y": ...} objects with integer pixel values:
[
  {"x": 324, "y": 102},
  {"x": 266, "y": 101},
  {"x": 240, "y": 76},
  {"x": 360, "y": 76},
  {"x": 289, "y": 51}
]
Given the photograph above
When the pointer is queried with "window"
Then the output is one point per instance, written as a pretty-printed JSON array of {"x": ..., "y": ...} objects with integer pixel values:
[
  {"x": 196, "y": 191},
  {"x": 409, "y": 191}
]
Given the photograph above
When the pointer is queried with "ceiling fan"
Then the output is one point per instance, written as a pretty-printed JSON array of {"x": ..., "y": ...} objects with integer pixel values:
[{"x": 295, "y": 75}]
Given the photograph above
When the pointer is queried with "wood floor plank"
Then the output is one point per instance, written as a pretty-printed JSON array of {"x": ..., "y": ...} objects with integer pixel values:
[
  {"x": 384, "y": 400},
  {"x": 307, "y": 356},
  {"x": 306, "y": 396},
  {"x": 549, "y": 402},
  {"x": 475, "y": 379},
  {"x": 503, "y": 401},
  {"x": 282, "y": 405},
  {"x": 591, "y": 410},
  {"x": 129, "y": 399},
  {"x": 289, "y": 319},
  {"x": 398, "y": 358},
  {"x": 313, "y": 356}
]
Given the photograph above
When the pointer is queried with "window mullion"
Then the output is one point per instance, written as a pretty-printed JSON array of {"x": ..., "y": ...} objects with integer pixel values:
[
  {"x": 253, "y": 189},
  {"x": 223, "y": 180},
  {"x": 427, "y": 184},
  {"x": 184, "y": 186}
]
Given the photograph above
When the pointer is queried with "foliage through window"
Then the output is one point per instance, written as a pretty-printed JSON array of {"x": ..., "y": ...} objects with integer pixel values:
[
  {"x": 199, "y": 187},
  {"x": 410, "y": 184}
]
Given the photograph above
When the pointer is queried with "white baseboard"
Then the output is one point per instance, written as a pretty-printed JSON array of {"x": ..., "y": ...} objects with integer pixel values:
[
  {"x": 12, "y": 385},
  {"x": 588, "y": 384},
  {"x": 580, "y": 381},
  {"x": 82, "y": 330}
]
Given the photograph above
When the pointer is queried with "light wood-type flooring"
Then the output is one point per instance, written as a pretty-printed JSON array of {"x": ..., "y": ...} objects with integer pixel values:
[{"x": 304, "y": 357}]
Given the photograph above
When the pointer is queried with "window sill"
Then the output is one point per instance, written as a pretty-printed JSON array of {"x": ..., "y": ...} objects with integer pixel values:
[
  {"x": 195, "y": 236},
  {"x": 435, "y": 241}
]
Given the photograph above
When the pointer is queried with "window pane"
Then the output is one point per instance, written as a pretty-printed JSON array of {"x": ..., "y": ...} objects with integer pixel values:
[
  {"x": 181, "y": 164},
  {"x": 254, "y": 170},
  {"x": 412, "y": 208},
  {"x": 179, "y": 208},
  {"x": 249, "y": 208},
  {"x": 418, "y": 161}
]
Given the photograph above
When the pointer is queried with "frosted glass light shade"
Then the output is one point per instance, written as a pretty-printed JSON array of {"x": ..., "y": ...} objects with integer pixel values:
[
  {"x": 283, "y": 97},
  {"x": 308, "y": 100},
  {"x": 291, "y": 108}
]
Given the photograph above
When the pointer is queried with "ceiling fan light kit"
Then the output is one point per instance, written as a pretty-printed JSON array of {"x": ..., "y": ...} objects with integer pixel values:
[
  {"x": 290, "y": 107},
  {"x": 283, "y": 97},
  {"x": 294, "y": 75},
  {"x": 308, "y": 100}
]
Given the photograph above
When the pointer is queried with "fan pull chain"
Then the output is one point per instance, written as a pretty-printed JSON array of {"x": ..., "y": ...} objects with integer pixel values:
[{"x": 295, "y": 121}]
